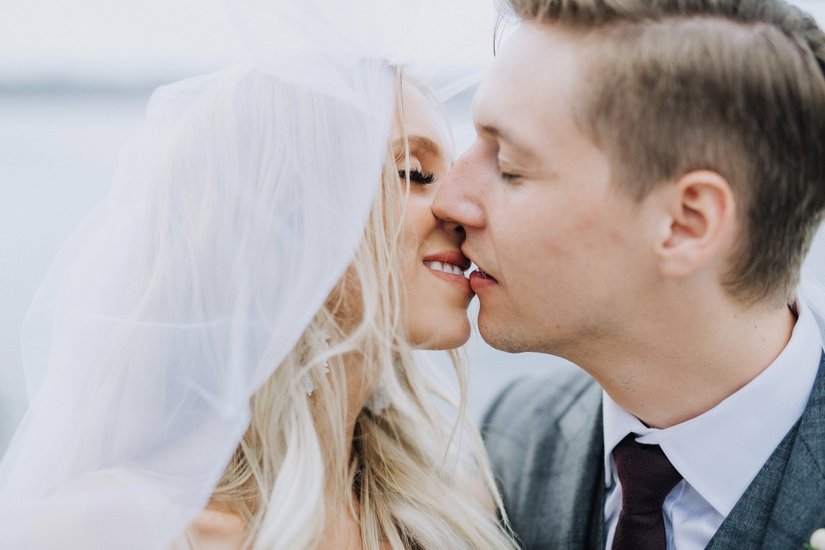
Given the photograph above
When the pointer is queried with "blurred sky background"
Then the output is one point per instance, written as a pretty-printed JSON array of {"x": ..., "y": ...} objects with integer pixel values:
[{"x": 74, "y": 80}]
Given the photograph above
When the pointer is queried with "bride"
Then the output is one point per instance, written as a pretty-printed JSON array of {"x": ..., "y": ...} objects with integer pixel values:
[
  {"x": 349, "y": 405},
  {"x": 221, "y": 355}
]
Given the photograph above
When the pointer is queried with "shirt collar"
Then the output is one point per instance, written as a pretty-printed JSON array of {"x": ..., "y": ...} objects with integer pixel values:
[{"x": 720, "y": 452}]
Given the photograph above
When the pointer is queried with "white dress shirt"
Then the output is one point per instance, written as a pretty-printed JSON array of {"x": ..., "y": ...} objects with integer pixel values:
[{"x": 719, "y": 452}]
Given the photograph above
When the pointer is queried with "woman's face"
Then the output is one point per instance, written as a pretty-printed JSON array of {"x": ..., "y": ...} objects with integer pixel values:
[{"x": 436, "y": 291}]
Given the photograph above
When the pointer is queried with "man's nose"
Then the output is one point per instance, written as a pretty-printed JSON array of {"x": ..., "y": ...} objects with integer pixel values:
[{"x": 458, "y": 198}]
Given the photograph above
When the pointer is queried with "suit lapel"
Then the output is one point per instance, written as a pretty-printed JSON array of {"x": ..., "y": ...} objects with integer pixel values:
[
  {"x": 786, "y": 501},
  {"x": 581, "y": 431},
  {"x": 800, "y": 502},
  {"x": 595, "y": 501},
  {"x": 746, "y": 524},
  {"x": 545, "y": 443}
]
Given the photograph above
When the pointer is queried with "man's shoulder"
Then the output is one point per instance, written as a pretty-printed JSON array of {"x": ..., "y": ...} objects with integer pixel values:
[
  {"x": 541, "y": 434},
  {"x": 538, "y": 401}
]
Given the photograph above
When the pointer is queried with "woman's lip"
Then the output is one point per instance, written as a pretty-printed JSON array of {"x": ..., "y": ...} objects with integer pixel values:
[
  {"x": 454, "y": 257},
  {"x": 457, "y": 280}
]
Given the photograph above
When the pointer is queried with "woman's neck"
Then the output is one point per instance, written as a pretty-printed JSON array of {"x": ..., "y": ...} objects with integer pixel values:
[
  {"x": 342, "y": 529},
  {"x": 357, "y": 392}
]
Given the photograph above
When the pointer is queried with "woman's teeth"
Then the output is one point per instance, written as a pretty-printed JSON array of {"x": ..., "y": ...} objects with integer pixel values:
[{"x": 445, "y": 267}]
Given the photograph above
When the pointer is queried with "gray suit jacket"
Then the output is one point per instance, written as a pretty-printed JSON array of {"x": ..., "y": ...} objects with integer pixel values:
[{"x": 544, "y": 437}]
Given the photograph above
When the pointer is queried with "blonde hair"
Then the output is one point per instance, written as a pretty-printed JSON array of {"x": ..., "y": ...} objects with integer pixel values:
[{"x": 403, "y": 465}]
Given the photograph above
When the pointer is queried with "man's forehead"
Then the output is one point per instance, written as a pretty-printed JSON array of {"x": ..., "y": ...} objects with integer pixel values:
[
  {"x": 509, "y": 140},
  {"x": 492, "y": 107},
  {"x": 533, "y": 84},
  {"x": 535, "y": 51},
  {"x": 495, "y": 116}
]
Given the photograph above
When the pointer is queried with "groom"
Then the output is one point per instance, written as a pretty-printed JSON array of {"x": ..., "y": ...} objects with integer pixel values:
[{"x": 647, "y": 178}]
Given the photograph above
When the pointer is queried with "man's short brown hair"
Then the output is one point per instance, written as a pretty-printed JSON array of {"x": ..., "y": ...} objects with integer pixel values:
[{"x": 733, "y": 86}]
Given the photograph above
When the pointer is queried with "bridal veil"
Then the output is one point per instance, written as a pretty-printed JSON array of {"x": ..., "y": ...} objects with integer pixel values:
[{"x": 230, "y": 219}]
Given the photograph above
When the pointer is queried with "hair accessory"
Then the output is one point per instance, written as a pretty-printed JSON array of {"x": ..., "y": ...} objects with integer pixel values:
[
  {"x": 323, "y": 340},
  {"x": 379, "y": 400}
]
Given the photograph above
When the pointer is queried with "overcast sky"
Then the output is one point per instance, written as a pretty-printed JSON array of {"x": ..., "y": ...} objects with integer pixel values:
[
  {"x": 134, "y": 40},
  {"x": 147, "y": 39},
  {"x": 118, "y": 39}
]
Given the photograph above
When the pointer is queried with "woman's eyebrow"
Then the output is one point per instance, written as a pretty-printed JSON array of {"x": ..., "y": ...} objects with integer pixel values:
[{"x": 419, "y": 144}]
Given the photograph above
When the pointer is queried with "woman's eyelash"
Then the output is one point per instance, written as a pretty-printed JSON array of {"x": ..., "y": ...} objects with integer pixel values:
[{"x": 417, "y": 176}]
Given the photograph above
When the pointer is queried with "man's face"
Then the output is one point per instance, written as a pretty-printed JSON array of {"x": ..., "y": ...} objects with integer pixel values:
[{"x": 560, "y": 244}]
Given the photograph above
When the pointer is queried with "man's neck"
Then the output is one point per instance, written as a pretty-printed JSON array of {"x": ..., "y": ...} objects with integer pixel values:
[{"x": 671, "y": 372}]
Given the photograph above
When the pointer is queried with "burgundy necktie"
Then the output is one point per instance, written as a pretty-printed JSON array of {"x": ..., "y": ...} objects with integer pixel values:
[{"x": 647, "y": 476}]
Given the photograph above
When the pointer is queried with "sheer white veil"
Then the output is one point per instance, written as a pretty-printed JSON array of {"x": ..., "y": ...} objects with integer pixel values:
[
  {"x": 230, "y": 218},
  {"x": 229, "y": 221}
]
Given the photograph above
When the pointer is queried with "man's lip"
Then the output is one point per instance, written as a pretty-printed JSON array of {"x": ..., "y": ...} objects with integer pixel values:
[
  {"x": 454, "y": 257},
  {"x": 479, "y": 268},
  {"x": 483, "y": 274},
  {"x": 480, "y": 281}
]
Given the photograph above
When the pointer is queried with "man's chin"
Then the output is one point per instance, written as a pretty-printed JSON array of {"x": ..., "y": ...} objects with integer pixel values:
[{"x": 499, "y": 335}]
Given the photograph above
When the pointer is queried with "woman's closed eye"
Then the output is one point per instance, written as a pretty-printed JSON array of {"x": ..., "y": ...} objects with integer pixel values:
[{"x": 417, "y": 176}]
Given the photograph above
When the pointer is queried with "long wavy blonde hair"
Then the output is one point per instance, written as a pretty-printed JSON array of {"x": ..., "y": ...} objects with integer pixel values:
[{"x": 418, "y": 479}]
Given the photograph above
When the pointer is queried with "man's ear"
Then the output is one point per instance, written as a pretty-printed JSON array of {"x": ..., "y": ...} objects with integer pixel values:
[{"x": 699, "y": 225}]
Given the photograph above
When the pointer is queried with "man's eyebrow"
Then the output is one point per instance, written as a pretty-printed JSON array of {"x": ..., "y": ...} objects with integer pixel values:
[
  {"x": 501, "y": 134},
  {"x": 505, "y": 136},
  {"x": 418, "y": 143}
]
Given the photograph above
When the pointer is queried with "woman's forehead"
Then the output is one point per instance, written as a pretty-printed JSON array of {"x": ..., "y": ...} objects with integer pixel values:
[{"x": 423, "y": 123}]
